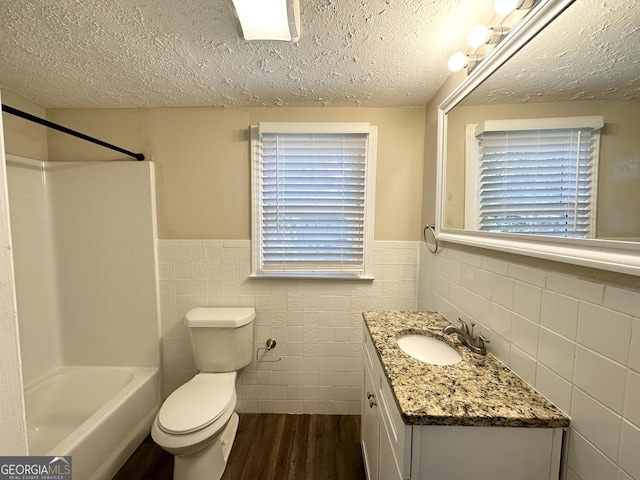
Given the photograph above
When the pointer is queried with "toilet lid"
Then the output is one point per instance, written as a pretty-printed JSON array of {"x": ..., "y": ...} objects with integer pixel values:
[{"x": 198, "y": 403}]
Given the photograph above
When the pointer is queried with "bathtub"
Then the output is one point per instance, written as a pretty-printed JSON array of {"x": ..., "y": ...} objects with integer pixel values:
[{"x": 96, "y": 415}]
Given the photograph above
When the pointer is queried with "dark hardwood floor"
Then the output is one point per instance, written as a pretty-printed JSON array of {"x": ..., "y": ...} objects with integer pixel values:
[{"x": 272, "y": 447}]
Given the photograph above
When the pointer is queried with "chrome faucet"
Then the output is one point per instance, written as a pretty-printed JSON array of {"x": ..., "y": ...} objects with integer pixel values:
[{"x": 476, "y": 345}]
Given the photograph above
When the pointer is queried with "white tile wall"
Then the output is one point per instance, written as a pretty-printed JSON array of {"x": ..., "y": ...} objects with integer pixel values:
[
  {"x": 577, "y": 340},
  {"x": 317, "y": 323}
]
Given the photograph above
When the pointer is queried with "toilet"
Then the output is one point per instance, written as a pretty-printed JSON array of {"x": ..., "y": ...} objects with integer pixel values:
[{"x": 197, "y": 422}]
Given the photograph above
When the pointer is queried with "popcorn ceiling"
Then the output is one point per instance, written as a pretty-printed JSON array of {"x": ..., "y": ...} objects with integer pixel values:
[
  {"x": 92, "y": 53},
  {"x": 589, "y": 52}
]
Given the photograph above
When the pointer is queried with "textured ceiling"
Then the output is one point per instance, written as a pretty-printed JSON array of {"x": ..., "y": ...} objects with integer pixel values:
[
  {"x": 591, "y": 51},
  {"x": 151, "y": 53}
]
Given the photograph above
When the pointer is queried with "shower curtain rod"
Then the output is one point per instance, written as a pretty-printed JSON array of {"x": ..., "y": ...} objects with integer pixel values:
[{"x": 55, "y": 126}]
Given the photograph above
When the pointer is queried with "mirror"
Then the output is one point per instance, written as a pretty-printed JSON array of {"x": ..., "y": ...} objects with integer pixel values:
[{"x": 565, "y": 59}]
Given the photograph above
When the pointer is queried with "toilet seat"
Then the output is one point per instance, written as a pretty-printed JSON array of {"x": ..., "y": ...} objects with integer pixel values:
[{"x": 198, "y": 403}]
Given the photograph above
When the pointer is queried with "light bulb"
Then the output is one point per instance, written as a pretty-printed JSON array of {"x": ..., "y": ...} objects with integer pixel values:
[
  {"x": 478, "y": 36},
  {"x": 458, "y": 61},
  {"x": 505, "y": 7}
]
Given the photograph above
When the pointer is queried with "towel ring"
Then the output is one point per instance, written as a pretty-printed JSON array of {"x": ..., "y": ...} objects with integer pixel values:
[{"x": 432, "y": 243}]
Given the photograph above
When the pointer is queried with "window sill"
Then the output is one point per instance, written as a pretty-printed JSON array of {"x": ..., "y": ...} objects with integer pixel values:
[{"x": 313, "y": 276}]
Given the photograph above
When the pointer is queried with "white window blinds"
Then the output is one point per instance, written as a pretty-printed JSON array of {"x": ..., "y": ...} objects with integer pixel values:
[
  {"x": 539, "y": 181},
  {"x": 311, "y": 201}
]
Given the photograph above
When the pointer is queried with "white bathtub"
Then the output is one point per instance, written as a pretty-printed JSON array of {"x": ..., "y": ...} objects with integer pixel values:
[{"x": 96, "y": 415}]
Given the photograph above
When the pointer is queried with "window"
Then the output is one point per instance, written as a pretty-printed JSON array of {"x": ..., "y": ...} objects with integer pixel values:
[
  {"x": 537, "y": 176},
  {"x": 312, "y": 199}
]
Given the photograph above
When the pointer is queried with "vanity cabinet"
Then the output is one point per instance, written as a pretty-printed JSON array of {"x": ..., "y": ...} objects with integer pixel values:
[
  {"x": 384, "y": 434},
  {"x": 393, "y": 450}
]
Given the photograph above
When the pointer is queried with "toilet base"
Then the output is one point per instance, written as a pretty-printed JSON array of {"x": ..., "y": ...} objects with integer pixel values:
[{"x": 210, "y": 462}]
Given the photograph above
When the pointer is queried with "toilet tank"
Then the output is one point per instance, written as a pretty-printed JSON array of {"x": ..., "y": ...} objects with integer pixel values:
[{"x": 221, "y": 338}]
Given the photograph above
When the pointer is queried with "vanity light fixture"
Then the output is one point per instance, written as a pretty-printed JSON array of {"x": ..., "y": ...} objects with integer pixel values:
[
  {"x": 481, "y": 35},
  {"x": 459, "y": 60},
  {"x": 267, "y": 19},
  {"x": 505, "y": 7}
]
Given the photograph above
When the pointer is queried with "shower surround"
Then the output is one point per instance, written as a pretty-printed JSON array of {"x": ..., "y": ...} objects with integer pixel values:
[{"x": 86, "y": 280}]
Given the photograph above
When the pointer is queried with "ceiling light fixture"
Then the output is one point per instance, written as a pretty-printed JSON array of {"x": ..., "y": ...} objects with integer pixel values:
[
  {"x": 481, "y": 35},
  {"x": 267, "y": 19},
  {"x": 505, "y": 7}
]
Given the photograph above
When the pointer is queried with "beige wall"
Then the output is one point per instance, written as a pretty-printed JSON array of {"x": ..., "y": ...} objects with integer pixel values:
[
  {"x": 202, "y": 161},
  {"x": 619, "y": 167},
  {"x": 22, "y": 137}
]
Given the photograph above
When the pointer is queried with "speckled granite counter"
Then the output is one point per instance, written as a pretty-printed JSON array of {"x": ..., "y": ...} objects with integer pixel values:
[{"x": 478, "y": 391}]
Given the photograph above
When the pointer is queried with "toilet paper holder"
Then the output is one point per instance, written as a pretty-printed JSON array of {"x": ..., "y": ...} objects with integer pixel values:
[{"x": 270, "y": 345}]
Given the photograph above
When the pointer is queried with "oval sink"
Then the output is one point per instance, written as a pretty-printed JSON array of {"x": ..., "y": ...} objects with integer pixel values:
[{"x": 428, "y": 349}]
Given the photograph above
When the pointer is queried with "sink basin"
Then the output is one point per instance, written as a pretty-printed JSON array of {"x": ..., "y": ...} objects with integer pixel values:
[{"x": 428, "y": 349}]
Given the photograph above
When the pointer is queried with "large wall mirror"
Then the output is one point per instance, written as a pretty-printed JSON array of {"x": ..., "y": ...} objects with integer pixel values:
[{"x": 568, "y": 74}]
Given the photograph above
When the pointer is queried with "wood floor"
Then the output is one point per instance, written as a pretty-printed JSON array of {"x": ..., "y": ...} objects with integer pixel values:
[{"x": 273, "y": 447}]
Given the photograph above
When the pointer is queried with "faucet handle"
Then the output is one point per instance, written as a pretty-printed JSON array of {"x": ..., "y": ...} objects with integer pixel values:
[
  {"x": 465, "y": 327},
  {"x": 479, "y": 344}
]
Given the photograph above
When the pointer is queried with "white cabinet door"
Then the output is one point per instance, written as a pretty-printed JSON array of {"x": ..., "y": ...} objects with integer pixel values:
[
  {"x": 384, "y": 435},
  {"x": 370, "y": 428},
  {"x": 387, "y": 467}
]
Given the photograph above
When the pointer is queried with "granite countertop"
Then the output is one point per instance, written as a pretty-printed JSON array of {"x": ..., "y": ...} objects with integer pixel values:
[{"x": 478, "y": 391}]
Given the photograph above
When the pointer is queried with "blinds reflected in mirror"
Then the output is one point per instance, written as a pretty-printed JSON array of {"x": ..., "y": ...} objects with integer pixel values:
[{"x": 538, "y": 181}]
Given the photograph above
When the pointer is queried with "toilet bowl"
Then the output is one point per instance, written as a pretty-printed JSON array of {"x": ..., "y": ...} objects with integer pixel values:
[
  {"x": 199, "y": 433},
  {"x": 197, "y": 422}
]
